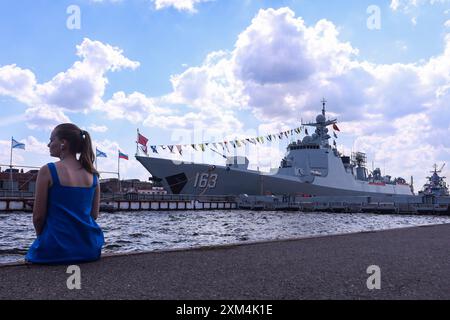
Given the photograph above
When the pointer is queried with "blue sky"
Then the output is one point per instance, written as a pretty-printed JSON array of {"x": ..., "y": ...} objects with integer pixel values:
[{"x": 189, "y": 71}]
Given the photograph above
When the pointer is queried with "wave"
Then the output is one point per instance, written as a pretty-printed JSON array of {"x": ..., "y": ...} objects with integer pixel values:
[{"x": 13, "y": 251}]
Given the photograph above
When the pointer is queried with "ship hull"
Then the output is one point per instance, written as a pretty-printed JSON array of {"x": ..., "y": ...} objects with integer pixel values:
[{"x": 204, "y": 179}]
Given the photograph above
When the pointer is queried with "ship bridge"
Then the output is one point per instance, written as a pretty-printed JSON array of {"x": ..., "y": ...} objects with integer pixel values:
[{"x": 310, "y": 157}]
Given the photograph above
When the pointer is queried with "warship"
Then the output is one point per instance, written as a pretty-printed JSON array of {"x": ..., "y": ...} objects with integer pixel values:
[
  {"x": 436, "y": 185},
  {"x": 311, "y": 167}
]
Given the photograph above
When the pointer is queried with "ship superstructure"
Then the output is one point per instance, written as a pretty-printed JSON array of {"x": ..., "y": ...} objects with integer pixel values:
[{"x": 436, "y": 185}]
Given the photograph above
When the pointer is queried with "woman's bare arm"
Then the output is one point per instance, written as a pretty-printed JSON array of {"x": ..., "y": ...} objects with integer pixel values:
[
  {"x": 96, "y": 202},
  {"x": 40, "y": 199}
]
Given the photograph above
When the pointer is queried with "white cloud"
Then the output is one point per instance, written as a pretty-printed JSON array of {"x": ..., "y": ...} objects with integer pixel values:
[
  {"x": 80, "y": 88},
  {"x": 280, "y": 61},
  {"x": 134, "y": 107},
  {"x": 5, "y": 149},
  {"x": 33, "y": 145},
  {"x": 208, "y": 95},
  {"x": 211, "y": 119},
  {"x": 181, "y": 5},
  {"x": 394, "y": 4},
  {"x": 409, "y": 151},
  {"x": 270, "y": 31},
  {"x": 44, "y": 118},
  {"x": 8, "y": 120},
  {"x": 212, "y": 84},
  {"x": 96, "y": 128},
  {"x": 447, "y": 24},
  {"x": 103, "y": 57},
  {"x": 17, "y": 83},
  {"x": 109, "y": 147},
  {"x": 407, "y": 5},
  {"x": 412, "y": 7},
  {"x": 137, "y": 108},
  {"x": 276, "y": 65},
  {"x": 268, "y": 76}
]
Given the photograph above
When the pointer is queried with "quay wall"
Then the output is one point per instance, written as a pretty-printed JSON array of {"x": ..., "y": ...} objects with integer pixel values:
[
  {"x": 144, "y": 203},
  {"x": 351, "y": 204}
]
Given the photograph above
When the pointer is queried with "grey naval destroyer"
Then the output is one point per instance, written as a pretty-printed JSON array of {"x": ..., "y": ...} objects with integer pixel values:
[{"x": 311, "y": 167}]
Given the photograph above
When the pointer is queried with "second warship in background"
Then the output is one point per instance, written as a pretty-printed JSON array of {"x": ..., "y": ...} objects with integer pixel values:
[
  {"x": 311, "y": 167},
  {"x": 436, "y": 185}
]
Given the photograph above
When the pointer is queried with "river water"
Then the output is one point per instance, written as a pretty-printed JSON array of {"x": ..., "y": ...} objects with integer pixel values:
[{"x": 148, "y": 231}]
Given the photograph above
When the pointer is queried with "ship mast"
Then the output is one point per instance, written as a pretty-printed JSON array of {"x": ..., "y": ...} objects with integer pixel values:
[
  {"x": 320, "y": 135},
  {"x": 323, "y": 106}
]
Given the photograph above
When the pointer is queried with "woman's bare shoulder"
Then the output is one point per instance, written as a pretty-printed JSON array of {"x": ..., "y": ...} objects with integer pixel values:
[
  {"x": 44, "y": 173},
  {"x": 44, "y": 170}
]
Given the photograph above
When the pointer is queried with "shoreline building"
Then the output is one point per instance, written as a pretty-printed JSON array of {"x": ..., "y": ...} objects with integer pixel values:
[
  {"x": 24, "y": 184},
  {"x": 131, "y": 186},
  {"x": 21, "y": 181}
]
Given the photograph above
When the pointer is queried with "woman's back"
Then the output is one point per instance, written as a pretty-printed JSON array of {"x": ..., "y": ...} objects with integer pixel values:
[
  {"x": 73, "y": 175},
  {"x": 70, "y": 233}
]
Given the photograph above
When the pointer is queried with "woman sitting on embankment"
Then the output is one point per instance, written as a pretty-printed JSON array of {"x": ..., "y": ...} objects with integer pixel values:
[{"x": 67, "y": 202}]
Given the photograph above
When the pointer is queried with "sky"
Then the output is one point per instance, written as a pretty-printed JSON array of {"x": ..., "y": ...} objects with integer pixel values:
[{"x": 194, "y": 71}]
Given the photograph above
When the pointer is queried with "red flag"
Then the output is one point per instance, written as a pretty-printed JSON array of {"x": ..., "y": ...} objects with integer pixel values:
[
  {"x": 142, "y": 140},
  {"x": 335, "y": 127}
]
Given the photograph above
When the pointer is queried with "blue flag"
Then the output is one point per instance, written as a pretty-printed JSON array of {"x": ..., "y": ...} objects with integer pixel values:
[
  {"x": 100, "y": 154},
  {"x": 17, "y": 144}
]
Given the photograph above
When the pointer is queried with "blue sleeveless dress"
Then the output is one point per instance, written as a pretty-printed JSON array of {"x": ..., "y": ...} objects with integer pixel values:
[{"x": 70, "y": 234}]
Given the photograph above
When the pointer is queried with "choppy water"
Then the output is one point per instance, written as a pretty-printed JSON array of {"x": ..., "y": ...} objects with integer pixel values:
[{"x": 147, "y": 231}]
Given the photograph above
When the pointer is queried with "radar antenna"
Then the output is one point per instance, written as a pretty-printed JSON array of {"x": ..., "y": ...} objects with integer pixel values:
[
  {"x": 435, "y": 166},
  {"x": 359, "y": 159}
]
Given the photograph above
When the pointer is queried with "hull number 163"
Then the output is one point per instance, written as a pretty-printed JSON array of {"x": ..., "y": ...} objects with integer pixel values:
[{"x": 203, "y": 180}]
